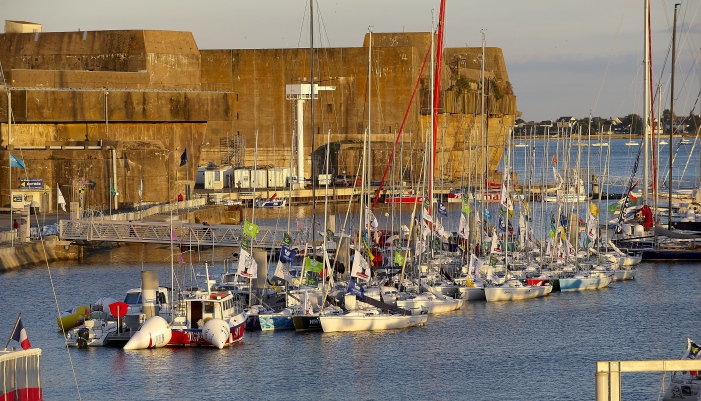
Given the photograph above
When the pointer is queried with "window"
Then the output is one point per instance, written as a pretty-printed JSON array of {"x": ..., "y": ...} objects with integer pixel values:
[{"x": 329, "y": 108}]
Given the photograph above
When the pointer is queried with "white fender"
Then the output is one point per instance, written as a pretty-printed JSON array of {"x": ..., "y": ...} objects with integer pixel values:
[
  {"x": 216, "y": 332},
  {"x": 154, "y": 333}
]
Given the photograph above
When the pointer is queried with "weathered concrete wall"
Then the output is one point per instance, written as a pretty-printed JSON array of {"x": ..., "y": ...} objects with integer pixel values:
[
  {"x": 171, "y": 59},
  {"x": 158, "y": 86},
  {"x": 34, "y": 254}
]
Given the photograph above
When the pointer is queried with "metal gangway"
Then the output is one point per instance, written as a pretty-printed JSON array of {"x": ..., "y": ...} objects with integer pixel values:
[{"x": 176, "y": 233}]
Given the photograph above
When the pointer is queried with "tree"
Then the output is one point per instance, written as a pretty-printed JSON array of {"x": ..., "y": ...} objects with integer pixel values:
[{"x": 635, "y": 122}]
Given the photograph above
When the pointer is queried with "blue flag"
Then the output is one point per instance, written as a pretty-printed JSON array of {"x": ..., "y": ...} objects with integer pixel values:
[
  {"x": 487, "y": 215},
  {"x": 183, "y": 158},
  {"x": 355, "y": 289},
  {"x": 563, "y": 220},
  {"x": 442, "y": 210},
  {"x": 15, "y": 162},
  {"x": 287, "y": 254},
  {"x": 502, "y": 224}
]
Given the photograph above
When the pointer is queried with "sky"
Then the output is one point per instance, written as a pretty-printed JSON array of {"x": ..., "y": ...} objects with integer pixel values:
[{"x": 564, "y": 58}]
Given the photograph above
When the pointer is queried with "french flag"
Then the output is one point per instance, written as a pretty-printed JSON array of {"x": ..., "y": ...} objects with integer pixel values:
[{"x": 20, "y": 335}]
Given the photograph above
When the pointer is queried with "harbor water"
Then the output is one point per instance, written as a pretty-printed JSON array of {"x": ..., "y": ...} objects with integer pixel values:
[{"x": 529, "y": 350}]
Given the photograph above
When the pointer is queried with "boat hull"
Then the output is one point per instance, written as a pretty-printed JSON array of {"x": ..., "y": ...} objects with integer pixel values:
[
  {"x": 584, "y": 284},
  {"x": 403, "y": 199},
  {"x": 274, "y": 322},
  {"x": 431, "y": 306},
  {"x": 307, "y": 323},
  {"x": 472, "y": 293},
  {"x": 195, "y": 337},
  {"x": 358, "y": 321},
  {"x": 496, "y": 294}
]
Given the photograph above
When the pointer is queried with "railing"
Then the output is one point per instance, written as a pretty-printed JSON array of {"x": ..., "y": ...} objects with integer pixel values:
[
  {"x": 608, "y": 373},
  {"x": 178, "y": 233}
]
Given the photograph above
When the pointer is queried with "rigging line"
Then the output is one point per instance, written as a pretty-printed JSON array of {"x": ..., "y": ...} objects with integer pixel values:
[
  {"x": 43, "y": 247},
  {"x": 608, "y": 63},
  {"x": 691, "y": 67}
]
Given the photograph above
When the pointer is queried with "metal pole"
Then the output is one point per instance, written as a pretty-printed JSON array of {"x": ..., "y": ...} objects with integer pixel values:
[
  {"x": 646, "y": 106},
  {"x": 670, "y": 183}
]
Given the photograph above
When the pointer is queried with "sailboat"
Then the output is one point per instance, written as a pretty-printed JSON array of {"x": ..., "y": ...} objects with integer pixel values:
[{"x": 274, "y": 201}]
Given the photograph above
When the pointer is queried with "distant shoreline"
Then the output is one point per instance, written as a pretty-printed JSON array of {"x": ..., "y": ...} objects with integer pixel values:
[{"x": 595, "y": 137}]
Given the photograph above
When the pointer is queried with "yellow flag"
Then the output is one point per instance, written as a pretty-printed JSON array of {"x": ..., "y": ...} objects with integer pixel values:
[{"x": 593, "y": 209}]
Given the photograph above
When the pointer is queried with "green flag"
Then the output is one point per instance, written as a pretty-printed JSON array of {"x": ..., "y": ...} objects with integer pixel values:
[
  {"x": 329, "y": 234},
  {"x": 613, "y": 208},
  {"x": 286, "y": 239},
  {"x": 250, "y": 229},
  {"x": 399, "y": 258},
  {"x": 313, "y": 265},
  {"x": 112, "y": 190},
  {"x": 466, "y": 207},
  {"x": 245, "y": 243}
]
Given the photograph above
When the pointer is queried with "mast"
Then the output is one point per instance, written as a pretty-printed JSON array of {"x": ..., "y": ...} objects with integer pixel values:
[
  {"x": 313, "y": 90},
  {"x": 484, "y": 146},
  {"x": 671, "y": 116},
  {"x": 369, "y": 177},
  {"x": 436, "y": 97},
  {"x": 646, "y": 105}
]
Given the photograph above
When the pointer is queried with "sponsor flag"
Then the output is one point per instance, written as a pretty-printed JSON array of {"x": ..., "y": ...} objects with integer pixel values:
[
  {"x": 632, "y": 199},
  {"x": 15, "y": 162},
  {"x": 247, "y": 265},
  {"x": 563, "y": 220},
  {"x": 287, "y": 254},
  {"x": 487, "y": 215},
  {"x": 181, "y": 260},
  {"x": 591, "y": 227},
  {"x": 183, "y": 158},
  {"x": 614, "y": 207},
  {"x": 527, "y": 207},
  {"x": 113, "y": 191},
  {"x": 496, "y": 245},
  {"x": 355, "y": 289},
  {"x": 466, "y": 206},
  {"x": 399, "y": 259},
  {"x": 313, "y": 265},
  {"x": 329, "y": 234},
  {"x": 368, "y": 250},
  {"x": 593, "y": 209},
  {"x": 464, "y": 228},
  {"x": 282, "y": 272},
  {"x": 173, "y": 235},
  {"x": 690, "y": 352},
  {"x": 570, "y": 249},
  {"x": 250, "y": 229},
  {"x": 440, "y": 231},
  {"x": 420, "y": 246},
  {"x": 475, "y": 264},
  {"x": 286, "y": 239},
  {"x": 502, "y": 224},
  {"x": 426, "y": 215},
  {"x": 361, "y": 268},
  {"x": 505, "y": 198},
  {"x": 442, "y": 210},
  {"x": 371, "y": 222},
  {"x": 20, "y": 334},
  {"x": 245, "y": 243},
  {"x": 60, "y": 199}
]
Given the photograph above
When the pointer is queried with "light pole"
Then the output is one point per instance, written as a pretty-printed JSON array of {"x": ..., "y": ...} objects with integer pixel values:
[{"x": 107, "y": 126}]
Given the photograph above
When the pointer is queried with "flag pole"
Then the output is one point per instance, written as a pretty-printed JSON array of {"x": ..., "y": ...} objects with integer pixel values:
[{"x": 13, "y": 331}]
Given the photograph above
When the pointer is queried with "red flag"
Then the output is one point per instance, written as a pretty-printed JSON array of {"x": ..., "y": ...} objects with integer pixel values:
[{"x": 20, "y": 335}]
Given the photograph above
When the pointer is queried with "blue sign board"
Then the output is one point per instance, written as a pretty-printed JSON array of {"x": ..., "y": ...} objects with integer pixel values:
[{"x": 31, "y": 183}]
